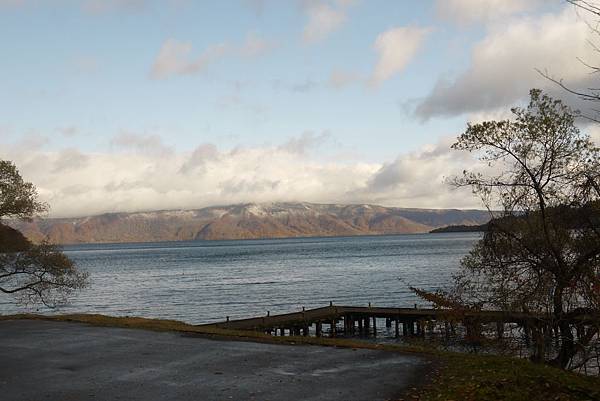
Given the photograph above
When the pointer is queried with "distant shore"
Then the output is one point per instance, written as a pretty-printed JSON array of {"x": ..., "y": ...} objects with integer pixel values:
[
  {"x": 460, "y": 229},
  {"x": 246, "y": 221}
]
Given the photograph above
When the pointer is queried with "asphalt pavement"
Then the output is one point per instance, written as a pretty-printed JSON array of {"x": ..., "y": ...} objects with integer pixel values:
[{"x": 60, "y": 361}]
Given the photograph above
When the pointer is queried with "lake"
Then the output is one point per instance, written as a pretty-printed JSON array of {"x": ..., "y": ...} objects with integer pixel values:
[{"x": 205, "y": 281}]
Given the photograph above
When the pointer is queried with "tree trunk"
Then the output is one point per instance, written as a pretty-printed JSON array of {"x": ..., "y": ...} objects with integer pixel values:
[
  {"x": 538, "y": 338},
  {"x": 567, "y": 343}
]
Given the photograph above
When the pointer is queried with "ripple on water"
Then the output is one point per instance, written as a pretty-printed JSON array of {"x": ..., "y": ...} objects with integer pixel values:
[{"x": 205, "y": 281}]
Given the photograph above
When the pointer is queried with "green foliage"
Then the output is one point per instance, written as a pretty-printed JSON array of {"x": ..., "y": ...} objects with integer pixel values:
[
  {"x": 33, "y": 273},
  {"x": 17, "y": 197},
  {"x": 12, "y": 240},
  {"x": 539, "y": 159}
]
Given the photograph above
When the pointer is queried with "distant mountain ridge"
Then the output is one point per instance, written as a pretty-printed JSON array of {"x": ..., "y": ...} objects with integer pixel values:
[{"x": 247, "y": 221}]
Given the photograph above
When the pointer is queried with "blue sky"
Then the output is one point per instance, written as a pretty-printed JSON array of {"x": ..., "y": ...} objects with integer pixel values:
[
  {"x": 342, "y": 87},
  {"x": 93, "y": 70}
]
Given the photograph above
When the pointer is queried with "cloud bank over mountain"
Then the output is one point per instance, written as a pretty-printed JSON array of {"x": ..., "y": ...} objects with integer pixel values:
[{"x": 143, "y": 173}]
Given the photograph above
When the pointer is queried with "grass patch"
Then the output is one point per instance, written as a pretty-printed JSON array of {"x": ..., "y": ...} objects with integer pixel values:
[
  {"x": 468, "y": 377},
  {"x": 456, "y": 376}
]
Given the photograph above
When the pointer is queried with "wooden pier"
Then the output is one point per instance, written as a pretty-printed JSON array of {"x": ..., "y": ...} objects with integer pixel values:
[{"x": 357, "y": 320}]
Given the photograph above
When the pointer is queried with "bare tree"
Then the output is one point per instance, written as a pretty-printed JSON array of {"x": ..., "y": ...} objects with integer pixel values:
[
  {"x": 32, "y": 273},
  {"x": 590, "y": 94},
  {"x": 542, "y": 254}
]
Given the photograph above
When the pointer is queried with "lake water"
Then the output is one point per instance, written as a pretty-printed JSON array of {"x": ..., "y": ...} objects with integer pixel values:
[{"x": 200, "y": 282}]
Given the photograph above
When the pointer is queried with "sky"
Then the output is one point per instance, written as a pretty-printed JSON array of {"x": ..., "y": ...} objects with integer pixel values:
[{"x": 131, "y": 105}]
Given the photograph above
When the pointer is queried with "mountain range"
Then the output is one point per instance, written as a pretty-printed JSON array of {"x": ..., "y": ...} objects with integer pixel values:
[{"x": 246, "y": 221}]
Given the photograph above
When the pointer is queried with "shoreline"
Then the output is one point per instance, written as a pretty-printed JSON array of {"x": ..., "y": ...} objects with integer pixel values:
[{"x": 239, "y": 240}]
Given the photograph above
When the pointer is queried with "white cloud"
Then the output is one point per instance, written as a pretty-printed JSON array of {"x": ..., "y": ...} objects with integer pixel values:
[
  {"x": 33, "y": 141},
  {"x": 206, "y": 152},
  {"x": 324, "y": 17},
  {"x": 396, "y": 48},
  {"x": 470, "y": 11},
  {"x": 306, "y": 142},
  {"x": 418, "y": 179},
  {"x": 70, "y": 159},
  {"x": 151, "y": 145},
  {"x": 503, "y": 65},
  {"x": 176, "y": 57},
  {"x": 593, "y": 130},
  {"x": 136, "y": 178}
]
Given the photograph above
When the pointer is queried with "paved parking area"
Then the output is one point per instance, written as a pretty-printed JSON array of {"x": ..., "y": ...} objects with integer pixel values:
[{"x": 43, "y": 360}]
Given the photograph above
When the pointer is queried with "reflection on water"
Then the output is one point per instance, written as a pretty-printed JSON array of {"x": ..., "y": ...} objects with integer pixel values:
[{"x": 200, "y": 282}]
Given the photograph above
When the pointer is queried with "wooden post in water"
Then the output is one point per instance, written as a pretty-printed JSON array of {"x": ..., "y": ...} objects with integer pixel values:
[
  {"x": 526, "y": 333},
  {"x": 430, "y": 326},
  {"x": 404, "y": 328},
  {"x": 500, "y": 329},
  {"x": 374, "y": 326},
  {"x": 319, "y": 329},
  {"x": 333, "y": 328},
  {"x": 360, "y": 326},
  {"x": 397, "y": 328}
]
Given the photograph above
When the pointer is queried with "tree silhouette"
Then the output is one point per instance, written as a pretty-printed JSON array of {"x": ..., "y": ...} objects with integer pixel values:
[
  {"x": 31, "y": 273},
  {"x": 541, "y": 252}
]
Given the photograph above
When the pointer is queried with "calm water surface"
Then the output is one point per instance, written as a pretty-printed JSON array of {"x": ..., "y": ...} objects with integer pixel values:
[{"x": 200, "y": 282}]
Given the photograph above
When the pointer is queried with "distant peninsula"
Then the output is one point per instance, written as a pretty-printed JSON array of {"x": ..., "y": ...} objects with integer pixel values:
[
  {"x": 247, "y": 221},
  {"x": 462, "y": 228}
]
